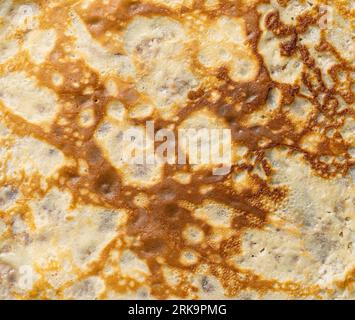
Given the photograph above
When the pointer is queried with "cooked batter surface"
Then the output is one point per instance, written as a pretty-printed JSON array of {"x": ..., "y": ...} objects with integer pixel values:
[{"x": 77, "y": 222}]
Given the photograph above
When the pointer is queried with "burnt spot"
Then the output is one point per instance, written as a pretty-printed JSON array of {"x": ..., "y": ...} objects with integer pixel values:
[{"x": 107, "y": 184}]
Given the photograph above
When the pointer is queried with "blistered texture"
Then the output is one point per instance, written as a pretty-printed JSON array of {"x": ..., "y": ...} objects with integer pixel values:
[{"x": 77, "y": 222}]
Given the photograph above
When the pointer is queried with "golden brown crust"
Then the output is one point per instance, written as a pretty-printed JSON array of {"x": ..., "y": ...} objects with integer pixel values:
[{"x": 160, "y": 225}]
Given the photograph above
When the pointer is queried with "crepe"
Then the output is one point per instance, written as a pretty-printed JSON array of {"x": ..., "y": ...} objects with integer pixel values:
[{"x": 76, "y": 222}]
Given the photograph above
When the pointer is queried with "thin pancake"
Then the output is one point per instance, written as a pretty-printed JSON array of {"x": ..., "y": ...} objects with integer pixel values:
[{"x": 76, "y": 222}]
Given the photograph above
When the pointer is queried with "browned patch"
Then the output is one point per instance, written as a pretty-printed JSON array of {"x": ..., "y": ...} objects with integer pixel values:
[{"x": 158, "y": 228}]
